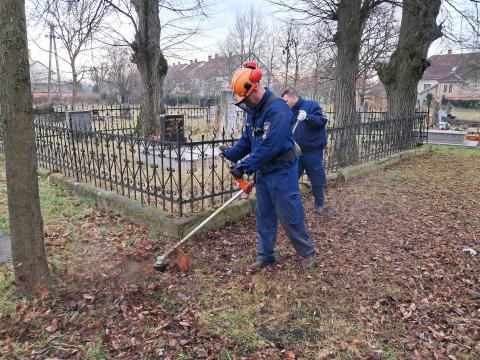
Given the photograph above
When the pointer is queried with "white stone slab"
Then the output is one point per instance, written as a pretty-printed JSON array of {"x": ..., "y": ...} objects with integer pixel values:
[{"x": 189, "y": 156}]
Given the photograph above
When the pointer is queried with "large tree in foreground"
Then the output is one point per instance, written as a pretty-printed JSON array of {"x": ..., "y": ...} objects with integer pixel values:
[
  {"x": 345, "y": 20},
  {"x": 151, "y": 39},
  {"x": 26, "y": 225},
  {"x": 401, "y": 74},
  {"x": 151, "y": 63}
]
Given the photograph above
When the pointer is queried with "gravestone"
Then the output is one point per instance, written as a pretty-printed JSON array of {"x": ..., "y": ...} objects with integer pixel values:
[
  {"x": 172, "y": 127},
  {"x": 43, "y": 109},
  {"x": 79, "y": 120},
  {"x": 435, "y": 110},
  {"x": 442, "y": 115},
  {"x": 57, "y": 117},
  {"x": 46, "y": 112},
  {"x": 231, "y": 118},
  {"x": 173, "y": 158},
  {"x": 125, "y": 110},
  {"x": 446, "y": 137},
  {"x": 449, "y": 108},
  {"x": 363, "y": 110}
]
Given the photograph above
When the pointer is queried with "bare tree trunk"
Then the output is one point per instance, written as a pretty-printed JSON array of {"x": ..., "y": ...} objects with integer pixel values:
[
  {"x": 288, "y": 52},
  {"x": 270, "y": 67},
  {"x": 407, "y": 64},
  {"x": 315, "y": 77},
  {"x": 73, "y": 100},
  {"x": 26, "y": 225},
  {"x": 347, "y": 39},
  {"x": 151, "y": 64},
  {"x": 285, "y": 82},
  {"x": 296, "y": 51},
  {"x": 297, "y": 66},
  {"x": 363, "y": 88}
]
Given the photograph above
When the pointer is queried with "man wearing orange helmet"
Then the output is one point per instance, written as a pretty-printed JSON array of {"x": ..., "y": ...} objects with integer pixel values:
[{"x": 268, "y": 142}]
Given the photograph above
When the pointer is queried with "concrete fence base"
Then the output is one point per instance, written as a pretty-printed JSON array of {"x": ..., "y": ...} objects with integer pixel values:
[{"x": 177, "y": 227}]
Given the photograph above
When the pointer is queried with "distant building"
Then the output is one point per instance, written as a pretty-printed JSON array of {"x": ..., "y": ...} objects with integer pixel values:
[
  {"x": 39, "y": 83},
  {"x": 206, "y": 78},
  {"x": 454, "y": 76}
]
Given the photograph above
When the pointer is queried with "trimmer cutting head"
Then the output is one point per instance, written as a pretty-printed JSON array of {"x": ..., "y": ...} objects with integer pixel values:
[
  {"x": 182, "y": 260},
  {"x": 160, "y": 265}
]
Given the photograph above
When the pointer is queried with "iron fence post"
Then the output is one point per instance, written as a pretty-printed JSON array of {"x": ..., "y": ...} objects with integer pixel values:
[{"x": 179, "y": 167}]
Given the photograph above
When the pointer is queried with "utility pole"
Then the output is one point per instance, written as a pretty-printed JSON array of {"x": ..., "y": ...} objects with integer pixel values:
[
  {"x": 52, "y": 38},
  {"x": 58, "y": 67},
  {"x": 50, "y": 63}
]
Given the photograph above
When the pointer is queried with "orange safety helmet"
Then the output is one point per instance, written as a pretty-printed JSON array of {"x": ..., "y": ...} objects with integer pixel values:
[{"x": 245, "y": 80}]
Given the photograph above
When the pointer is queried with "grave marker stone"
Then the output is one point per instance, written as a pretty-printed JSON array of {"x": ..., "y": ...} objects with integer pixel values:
[
  {"x": 79, "y": 120},
  {"x": 172, "y": 127},
  {"x": 231, "y": 117}
]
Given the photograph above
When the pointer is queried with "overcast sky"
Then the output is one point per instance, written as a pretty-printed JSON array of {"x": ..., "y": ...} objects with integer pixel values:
[{"x": 215, "y": 29}]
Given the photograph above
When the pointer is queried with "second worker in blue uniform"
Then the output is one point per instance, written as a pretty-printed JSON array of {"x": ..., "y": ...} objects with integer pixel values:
[{"x": 309, "y": 131}]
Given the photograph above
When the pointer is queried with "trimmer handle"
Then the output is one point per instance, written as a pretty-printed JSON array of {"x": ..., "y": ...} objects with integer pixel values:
[{"x": 245, "y": 185}]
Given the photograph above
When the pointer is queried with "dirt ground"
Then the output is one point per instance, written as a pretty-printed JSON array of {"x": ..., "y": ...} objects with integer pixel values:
[{"x": 397, "y": 278}]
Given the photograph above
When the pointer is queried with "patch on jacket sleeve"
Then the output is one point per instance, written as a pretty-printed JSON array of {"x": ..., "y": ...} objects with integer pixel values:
[{"x": 266, "y": 126}]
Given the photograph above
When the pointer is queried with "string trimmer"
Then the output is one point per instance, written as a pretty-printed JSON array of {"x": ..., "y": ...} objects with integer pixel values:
[{"x": 245, "y": 187}]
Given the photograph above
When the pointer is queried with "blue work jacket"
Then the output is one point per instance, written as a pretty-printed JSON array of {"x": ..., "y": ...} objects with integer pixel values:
[
  {"x": 311, "y": 133},
  {"x": 267, "y": 135}
]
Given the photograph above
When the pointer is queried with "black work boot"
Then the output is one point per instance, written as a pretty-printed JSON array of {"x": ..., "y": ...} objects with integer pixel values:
[
  {"x": 308, "y": 262},
  {"x": 318, "y": 209},
  {"x": 260, "y": 264}
]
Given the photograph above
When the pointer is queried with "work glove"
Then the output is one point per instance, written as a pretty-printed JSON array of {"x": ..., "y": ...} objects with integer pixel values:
[
  {"x": 302, "y": 115},
  {"x": 222, "y": 151},
  {"x": 236, "y": 172}
]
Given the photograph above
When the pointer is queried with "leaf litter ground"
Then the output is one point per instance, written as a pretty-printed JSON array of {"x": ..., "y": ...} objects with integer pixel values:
[{"x": 393, "y": 279}]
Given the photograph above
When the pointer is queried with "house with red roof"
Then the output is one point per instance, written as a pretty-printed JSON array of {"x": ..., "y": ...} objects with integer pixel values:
[
  {"x": 453, "y": 76},
  {"x": 207, "y": 78}
]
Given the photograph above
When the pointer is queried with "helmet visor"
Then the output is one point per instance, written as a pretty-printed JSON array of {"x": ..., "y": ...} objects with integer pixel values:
[{"x": 240, "y": 102}]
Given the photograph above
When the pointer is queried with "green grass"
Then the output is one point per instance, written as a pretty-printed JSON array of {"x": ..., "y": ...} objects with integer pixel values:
[
  {"x": 4, "y": 223},
  {"x": 7, "y": 302},
  {"x": 59, "y": 209},
  {"x": 254, "y": 320},
  {"x": 387, "y": 352},
  {"x": 53, "y": 198},
  {"x": 154, "y": 232},
  {"x": 96, "y": 352},
  {"x": 239, "y": 324},
  {"x": 56, "y": 203},
  {"x": 384, "y": 290},
  {"x": 467, "y": 114},
  {"x": 456, "y": 151}
]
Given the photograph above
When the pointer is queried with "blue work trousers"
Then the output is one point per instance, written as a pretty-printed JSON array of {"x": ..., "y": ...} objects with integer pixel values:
[
  {"x": 278, "y": 198},
  {"x": 312, "y": 164}
]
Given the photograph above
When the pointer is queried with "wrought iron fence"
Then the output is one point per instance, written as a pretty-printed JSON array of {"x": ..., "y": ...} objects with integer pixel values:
[
  {"x": 365, "y": 141},
  {"x": 362, "y": 116},
  {"x": 176, "y": 176},
  {"x": 117, "y": 119},
  {"x": 122, "y": 118},
  {"x": 194, "y": 114},
  {"x": 183, "y": 177}
]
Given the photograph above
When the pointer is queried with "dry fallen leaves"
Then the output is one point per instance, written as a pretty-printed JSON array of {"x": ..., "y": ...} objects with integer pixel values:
[
  {"x": 53, "y": 327},
  {"x": 182, "y": 261},
  {"x": 396, "y": 256}
]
